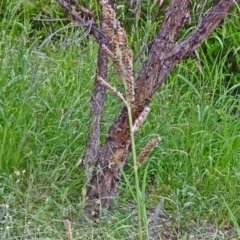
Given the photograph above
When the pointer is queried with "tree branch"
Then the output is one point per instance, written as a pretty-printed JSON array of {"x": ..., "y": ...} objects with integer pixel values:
[
  {"x": 89, "y": 24},
  {"x": 96, "y": 108},
  {"x": 164, "y": 56},
  {"x": 207, "y": 24}
]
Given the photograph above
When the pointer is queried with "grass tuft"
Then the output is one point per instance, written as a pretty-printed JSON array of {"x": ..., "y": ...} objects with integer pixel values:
[{"x": 44, "y": 114}]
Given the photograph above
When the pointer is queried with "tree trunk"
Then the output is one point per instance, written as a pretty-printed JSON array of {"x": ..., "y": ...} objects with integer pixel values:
[
  {"x": 165, "y": 54},
  {"x": 96, "y": 108}
]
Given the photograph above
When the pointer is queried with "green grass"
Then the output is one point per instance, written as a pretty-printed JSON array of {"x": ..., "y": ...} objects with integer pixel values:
[{"x": 44, "y": 117}]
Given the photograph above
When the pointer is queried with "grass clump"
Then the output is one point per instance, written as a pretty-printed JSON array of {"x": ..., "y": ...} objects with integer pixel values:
[{"x": 45, "y": 94}]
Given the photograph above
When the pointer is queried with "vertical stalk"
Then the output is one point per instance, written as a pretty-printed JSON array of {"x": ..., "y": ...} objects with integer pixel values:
[{"x": 138, "y": 192}]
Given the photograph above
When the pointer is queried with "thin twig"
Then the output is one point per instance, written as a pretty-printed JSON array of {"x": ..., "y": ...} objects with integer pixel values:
[
  {"x": 88, "y": 24},
  {"x": 112, "y": 89}
]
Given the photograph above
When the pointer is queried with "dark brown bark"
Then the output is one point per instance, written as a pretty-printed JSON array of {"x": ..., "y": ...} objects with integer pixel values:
[
  {"x": 85, "y": 18},
  {"x": 117, "y": 145},
  {"x": 96, "y": 108},
  {"x": 165, "y": 54}
]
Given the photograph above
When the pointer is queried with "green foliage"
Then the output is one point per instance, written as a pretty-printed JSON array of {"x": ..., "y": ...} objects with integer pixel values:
[
  {"x": 224, "y": 44},
  {"x": 44, "y": 101}
]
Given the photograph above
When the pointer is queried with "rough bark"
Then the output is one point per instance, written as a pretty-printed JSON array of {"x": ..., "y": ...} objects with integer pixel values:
[
  {"x": 165, "y": 54},
  {"x": 96, "y": 108},
  {"x": 85, "y": 18}
]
